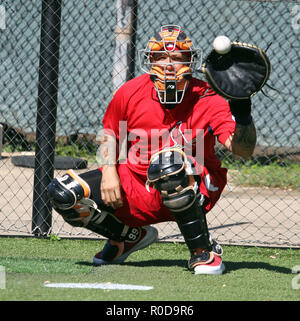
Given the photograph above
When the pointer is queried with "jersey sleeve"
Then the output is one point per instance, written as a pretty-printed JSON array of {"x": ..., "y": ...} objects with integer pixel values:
[
  {"x": 115, "y": 113},
  {"x": 221, "y": 121}
]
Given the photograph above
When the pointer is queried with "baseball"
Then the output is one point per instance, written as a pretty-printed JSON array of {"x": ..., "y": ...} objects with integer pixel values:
[{"x": 222, "y": 45}]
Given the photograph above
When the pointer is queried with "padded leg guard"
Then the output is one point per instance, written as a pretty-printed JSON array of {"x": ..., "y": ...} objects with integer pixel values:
[
  {"x": 193, "y": 226},
  {"x": 86, "y": 214},
  {"x": 69, "y": 196},
  {"x": 64, "y": 192},
  {"x": 168, "y": 172}
]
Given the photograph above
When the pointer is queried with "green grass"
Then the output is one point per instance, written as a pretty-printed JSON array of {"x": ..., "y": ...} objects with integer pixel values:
[
  {"x": 273, "y": 175},
  {"x": 258, "y": 274}
]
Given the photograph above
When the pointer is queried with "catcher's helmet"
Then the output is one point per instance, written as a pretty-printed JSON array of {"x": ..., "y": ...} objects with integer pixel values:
[{"x": 170, "y": 87}]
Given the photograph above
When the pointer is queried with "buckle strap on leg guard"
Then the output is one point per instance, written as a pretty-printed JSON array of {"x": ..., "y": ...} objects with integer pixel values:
[
  {"x": 216, "y": 247},
  {"x": 84, "y": 185},
  {"x": 87, "y": 214},
  {"x": 106, "y": 224}
]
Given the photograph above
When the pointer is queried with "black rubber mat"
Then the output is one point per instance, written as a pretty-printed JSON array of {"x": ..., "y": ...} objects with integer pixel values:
[{"x": 60, "y": 162}]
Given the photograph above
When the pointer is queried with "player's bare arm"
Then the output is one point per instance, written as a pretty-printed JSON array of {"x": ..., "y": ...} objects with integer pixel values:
[
  {"x": 110, "y": 184},
  {"x": 242, "y": 142}
]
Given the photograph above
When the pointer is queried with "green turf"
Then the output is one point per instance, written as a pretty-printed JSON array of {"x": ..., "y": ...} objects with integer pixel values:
[
  {"x": 255, "y": 274},
  {"x": 274, "y": 175}
]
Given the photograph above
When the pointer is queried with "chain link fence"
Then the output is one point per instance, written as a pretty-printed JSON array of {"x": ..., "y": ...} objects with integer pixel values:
[{"x": 99, "y": 43}]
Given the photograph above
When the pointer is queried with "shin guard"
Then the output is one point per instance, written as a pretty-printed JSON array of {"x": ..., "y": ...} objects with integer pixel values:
[
  {"x": 70, "y": 197},
  {"x": 193, "y": 226},
  {"x": 168, "y": 171},
  {"x": 87, "y": 214}
]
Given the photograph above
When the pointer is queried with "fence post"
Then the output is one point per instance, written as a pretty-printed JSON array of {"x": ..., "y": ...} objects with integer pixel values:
[
  {"x": 125, "y": 36},
  {"x": 46, "y": 115}
]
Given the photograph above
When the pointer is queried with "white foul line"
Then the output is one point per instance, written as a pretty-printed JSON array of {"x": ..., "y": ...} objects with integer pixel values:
[{"x": 103, "y": 286}]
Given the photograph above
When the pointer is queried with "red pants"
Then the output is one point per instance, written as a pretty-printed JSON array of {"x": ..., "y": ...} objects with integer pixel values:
[{"x": 141, "y": 207}]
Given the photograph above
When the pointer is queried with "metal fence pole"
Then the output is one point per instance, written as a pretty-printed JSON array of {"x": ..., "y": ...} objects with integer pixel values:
[
  {"x": 133, "y": 40},
  {"x": 125, "y": 37},
  {"x": 46, "y": 115}
]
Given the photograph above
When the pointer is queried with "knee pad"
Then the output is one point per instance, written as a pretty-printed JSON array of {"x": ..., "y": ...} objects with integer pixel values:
[
  {"x": 170, "y": 173},
  {"x": 64, "y": 192}
]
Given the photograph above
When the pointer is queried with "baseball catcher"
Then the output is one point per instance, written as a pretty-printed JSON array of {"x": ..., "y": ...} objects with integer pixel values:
[{"x": 168, "y": 120}]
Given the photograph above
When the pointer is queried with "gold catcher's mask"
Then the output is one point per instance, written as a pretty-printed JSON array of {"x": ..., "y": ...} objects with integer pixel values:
[{"x": 170, "y": 86}]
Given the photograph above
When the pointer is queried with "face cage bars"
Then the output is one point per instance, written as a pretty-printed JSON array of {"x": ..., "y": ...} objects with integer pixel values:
[{"x": 146, "y": 65}]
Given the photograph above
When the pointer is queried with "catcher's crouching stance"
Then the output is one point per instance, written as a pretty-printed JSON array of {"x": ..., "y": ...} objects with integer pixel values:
[
  {"x": 77, "y": 198},
  {"x": 168, "y": 99}
]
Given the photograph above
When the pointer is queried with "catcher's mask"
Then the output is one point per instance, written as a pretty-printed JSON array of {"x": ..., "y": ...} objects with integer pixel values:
[{"x": 170, "y": 86}]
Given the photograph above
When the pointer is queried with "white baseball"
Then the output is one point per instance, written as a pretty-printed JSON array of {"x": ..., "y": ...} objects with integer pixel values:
[{"x": 222, "y": 45}]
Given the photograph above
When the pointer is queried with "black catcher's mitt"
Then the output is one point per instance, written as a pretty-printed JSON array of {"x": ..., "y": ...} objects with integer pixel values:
[{"x": 240, "y": 73}]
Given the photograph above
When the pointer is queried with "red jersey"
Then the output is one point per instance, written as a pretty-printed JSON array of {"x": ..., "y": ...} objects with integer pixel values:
[
  {"x": 136, "y": 103},
  {"x": 136, "y": 114}
]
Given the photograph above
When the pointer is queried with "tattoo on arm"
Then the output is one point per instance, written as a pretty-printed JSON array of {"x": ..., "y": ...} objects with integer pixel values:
[{"x": 244, "y": 140}]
